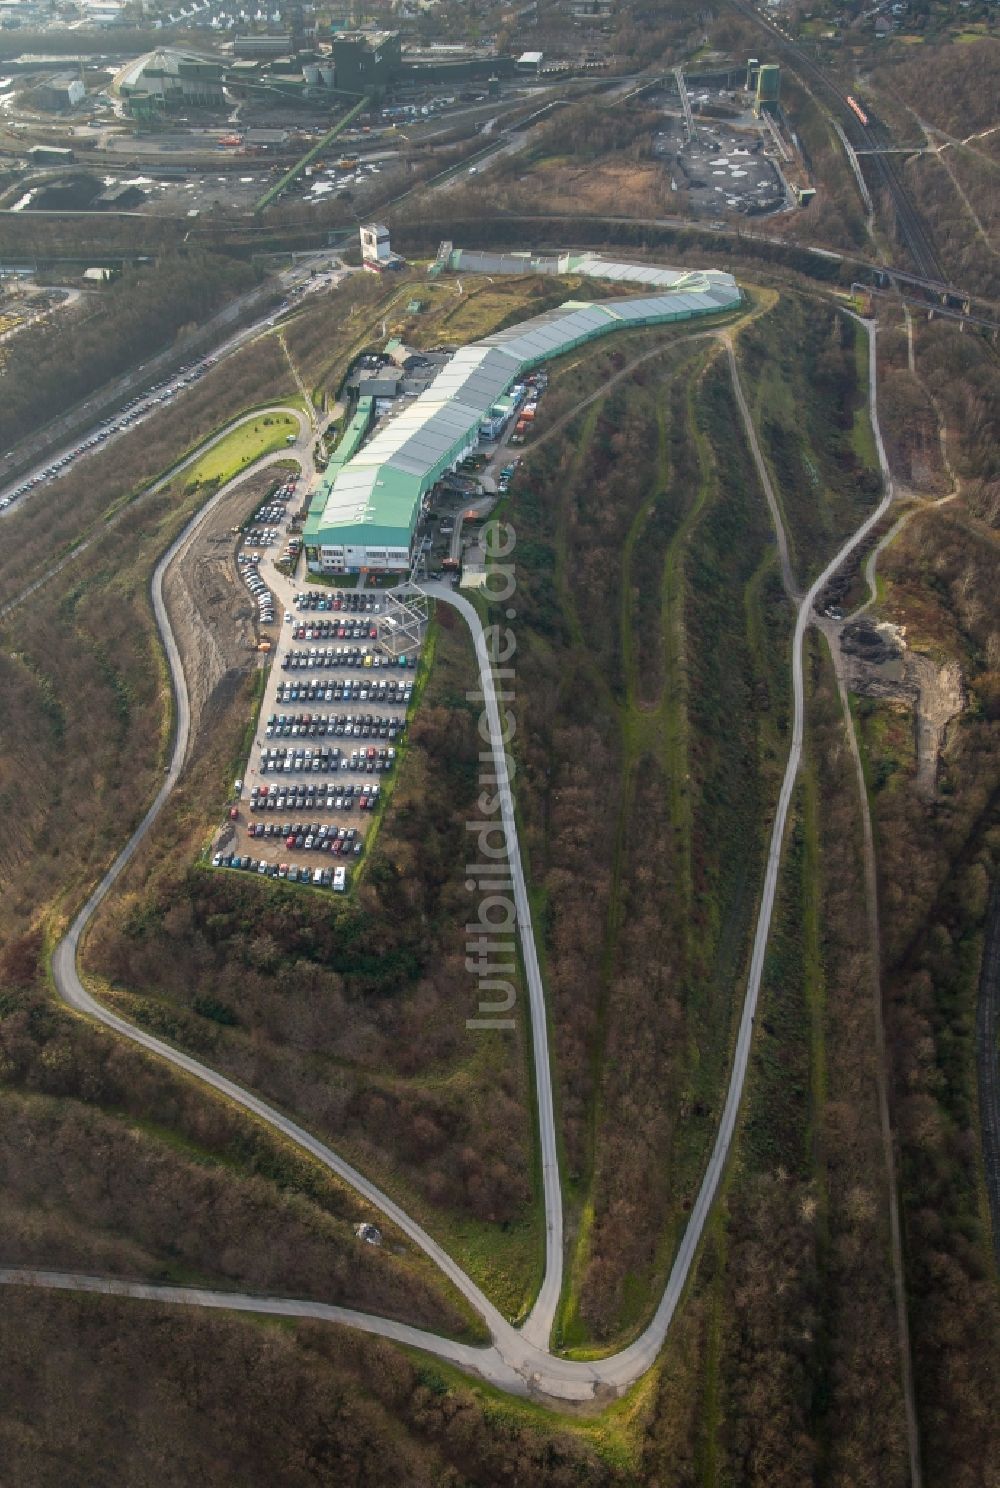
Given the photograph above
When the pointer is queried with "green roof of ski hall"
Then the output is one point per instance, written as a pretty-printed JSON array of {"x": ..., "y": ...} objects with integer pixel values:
[{"x": 384, "y": 482}]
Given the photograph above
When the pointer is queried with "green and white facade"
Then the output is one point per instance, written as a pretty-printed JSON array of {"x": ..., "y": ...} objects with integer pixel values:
[{"x": 365, "y": 513}]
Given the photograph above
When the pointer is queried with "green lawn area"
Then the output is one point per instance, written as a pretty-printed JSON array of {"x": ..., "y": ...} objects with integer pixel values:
[{"x": 240, "y": 448}]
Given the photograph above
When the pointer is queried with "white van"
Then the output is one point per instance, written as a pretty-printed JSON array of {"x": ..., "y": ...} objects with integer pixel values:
[{"x": 340, "y": 879}]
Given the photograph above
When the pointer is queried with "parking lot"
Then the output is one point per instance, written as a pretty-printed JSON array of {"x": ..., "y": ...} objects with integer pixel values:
[{"x": 331, "y": 725}]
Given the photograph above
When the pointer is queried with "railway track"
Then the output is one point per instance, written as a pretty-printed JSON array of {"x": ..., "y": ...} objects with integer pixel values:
[
  {"x": 912, "y": 231},
  {"x": 912, "y": 228}
]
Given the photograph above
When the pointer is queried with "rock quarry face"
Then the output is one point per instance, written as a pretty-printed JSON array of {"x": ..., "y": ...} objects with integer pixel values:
[{"x": 878, "y": 663}]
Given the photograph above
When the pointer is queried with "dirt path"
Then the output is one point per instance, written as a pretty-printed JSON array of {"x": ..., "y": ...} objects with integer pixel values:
[
  {"x": 832, "y": 630},
  {"x": 781, "y": 537},
  {"x": 881, "y": 1078},
  {"x": 987, "y": 1025},
  {"x": 211, "y": 612}
]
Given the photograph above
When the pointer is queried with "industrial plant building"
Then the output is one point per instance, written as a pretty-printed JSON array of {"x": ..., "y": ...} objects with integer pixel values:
[
  {"x": 365, "y": 514},
  {"x": 165, "y": 79},
  {"x": 373, "y": 62},
  {"x": 274, "y": 67}
]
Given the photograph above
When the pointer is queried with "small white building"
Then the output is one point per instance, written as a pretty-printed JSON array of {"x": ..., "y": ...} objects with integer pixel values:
[{"x": 375, "y": 250}]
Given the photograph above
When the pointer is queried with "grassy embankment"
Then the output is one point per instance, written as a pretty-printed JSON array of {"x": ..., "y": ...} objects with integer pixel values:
[
  {"x": 240, "y": 448},
  {"x": 788, "y": 1334},
  {"x": 608, "y": 635},
  {"x": 805, "y": 375},
  {"x": 797, "y": 1367}
]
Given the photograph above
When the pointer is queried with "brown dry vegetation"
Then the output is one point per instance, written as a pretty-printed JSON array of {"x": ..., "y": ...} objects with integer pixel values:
[
  {"x": 835, "y": 218},
  {"x": 970, "y": 259},
  {"x": 352, "y": 1017},
  {"x": 610, "y": 185},
  {"x": 644, "y": 944},
  {"x": 936, "y": 862},
  {"x": 952, "y": 86},
  {"x": 53, "y": 364},
  {"x": 106, "y": 1392},
  {"x": 81, "y": 741},
  {"x": 112, "y": 1162},
  {"x": 55, "y": 516},
  {"x": 937, "y": 859},
  {"x": 953, "y": 89},
  {"x": 81, "y": 733},
  {"x": 909, "y": 419},
  {"x": 962, "y": 370},
  {"x": 804, "y": 368},
  {"x": 783, "y": 1367}
]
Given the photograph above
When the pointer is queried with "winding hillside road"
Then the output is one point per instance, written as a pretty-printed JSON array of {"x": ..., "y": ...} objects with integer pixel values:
[
  {"x": 171, "y": 473},
  {"x": 516, "y": 1360}
]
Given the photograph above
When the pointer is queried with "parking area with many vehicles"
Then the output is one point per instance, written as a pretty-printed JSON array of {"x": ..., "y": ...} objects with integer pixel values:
[{"x": 331, "y": 725}]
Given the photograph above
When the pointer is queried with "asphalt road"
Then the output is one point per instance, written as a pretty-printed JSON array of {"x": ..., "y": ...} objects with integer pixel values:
[
  {"x": 517, "y": 1359},
  {"x": 159, "y": 483},
  {"x": 84, "y": 418},
  {"x": 537, "y": 1327}
]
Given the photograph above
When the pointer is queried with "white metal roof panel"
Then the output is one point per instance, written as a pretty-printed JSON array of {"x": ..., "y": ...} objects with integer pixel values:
[{"x": 411, "y": 446}]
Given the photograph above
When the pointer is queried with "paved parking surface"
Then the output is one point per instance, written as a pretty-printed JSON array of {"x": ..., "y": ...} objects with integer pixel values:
[{"x": 331, "y": 724}]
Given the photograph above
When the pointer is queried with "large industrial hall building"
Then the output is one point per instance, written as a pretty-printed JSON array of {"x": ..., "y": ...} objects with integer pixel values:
[{"x": 365, "y": 513}]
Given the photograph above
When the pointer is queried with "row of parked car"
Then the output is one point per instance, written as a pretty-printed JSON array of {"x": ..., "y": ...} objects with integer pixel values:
[
  {"x": 334, "y": 630},
  {"x": 505, "y": 477},
  {"x": 297, "y": 796},
  {"x": 363, "y": 604},
  {"x": 334, "y": 725},
  {"x": 273, "y": 511},
  {"x": 320, "y": 878},
  {"x": 284, "y": 760},
  {"x": 261, "y": 537},
  {"x": 348, "y": 690},
  {"x": 259, "y": 590},
  {"x": 311, "y": 837},
  {"x": 344, "y": 656},
  {"x": 160, "y": 392}
]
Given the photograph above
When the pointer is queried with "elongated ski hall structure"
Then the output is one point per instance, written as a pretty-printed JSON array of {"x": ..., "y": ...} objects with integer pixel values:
[{"x": 364, "y": 514}]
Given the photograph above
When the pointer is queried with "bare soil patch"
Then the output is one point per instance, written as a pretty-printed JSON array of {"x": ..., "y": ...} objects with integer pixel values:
[
  {"x": 624, "y": 188},
  {"x": 211, "y": 612},
  {"x": 878, "y": 663}
]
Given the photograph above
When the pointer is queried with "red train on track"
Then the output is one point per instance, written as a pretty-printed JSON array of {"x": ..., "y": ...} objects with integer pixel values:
[{"x": 856, "y": 108}]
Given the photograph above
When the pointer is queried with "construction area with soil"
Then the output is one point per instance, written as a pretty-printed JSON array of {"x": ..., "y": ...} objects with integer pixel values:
[
  {"x": 211, "y": 611},
  {"x": 878, "y": 664}
]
